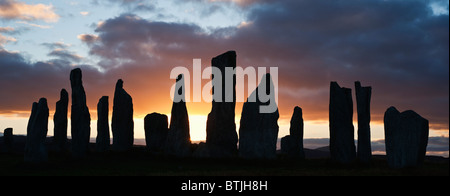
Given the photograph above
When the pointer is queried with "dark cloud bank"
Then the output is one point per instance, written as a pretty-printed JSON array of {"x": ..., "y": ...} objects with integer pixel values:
[{"x": 400, "y": 48}]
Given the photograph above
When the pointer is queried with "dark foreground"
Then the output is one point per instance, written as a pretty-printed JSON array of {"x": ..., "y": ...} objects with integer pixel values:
[{"x": 139, "y": 162}]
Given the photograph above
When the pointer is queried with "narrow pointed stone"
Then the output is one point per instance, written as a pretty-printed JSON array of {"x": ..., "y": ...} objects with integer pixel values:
[
  {"x": 80, "y": 117},
  {"x": 292, "y": 144},
  {"x": 60, "y": 122},
  {"x": 122, "y": 119},
  {"x": 178, "y": 141}
]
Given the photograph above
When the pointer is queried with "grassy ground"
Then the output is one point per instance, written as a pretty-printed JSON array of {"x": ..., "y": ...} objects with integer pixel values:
[{"x": 140, "y": 163}]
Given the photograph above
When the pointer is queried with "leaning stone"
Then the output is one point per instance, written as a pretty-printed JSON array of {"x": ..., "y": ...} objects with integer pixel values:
[
  {"x": 35, "y": 150},
  {"x": 258, "y": 132},
  {"x": 406, "y": 138}
]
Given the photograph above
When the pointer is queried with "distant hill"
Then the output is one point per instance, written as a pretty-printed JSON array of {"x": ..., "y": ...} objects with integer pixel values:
[{"x": 317, "y": 153}]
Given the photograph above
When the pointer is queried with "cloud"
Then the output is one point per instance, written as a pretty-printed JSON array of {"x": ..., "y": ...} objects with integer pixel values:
[
  {"x": 401, "y": 51},
  {"x": 241, "y": 3},
  {"x": 129, "y": 5},
  {"x": 6, "y": 39},
  {"x": 438, "y": 144},
  {"x": 62, "y": 52},
  {"x": 12, "y": 9},
  {"x": 137, "y": 41},
  {"x": 23, "y": 81},
  {"x": 6, "y": 29},
  {"x": 56, "y": 45},
  {"x": 87, "y": 38},
  {"x": 84, "y": 13},
  {"x": 65, "y": 54},
  {"x": 35, "y": 25},
  {"x": 400, "y": 48}
]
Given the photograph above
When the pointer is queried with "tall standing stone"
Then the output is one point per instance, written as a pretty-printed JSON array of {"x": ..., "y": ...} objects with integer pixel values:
[
  {"x": 35, "y": 150},
  {"x": 292, "y": 144},
  {"x": 156, "y": 128},
  {"x": 60, "y": 122},
  {"x": 221, "y": 136},
  {"x": 342, "y": 142},
  {"x": 258, "y": 132},
  {"x": 406, "y": 138},
  {"x": 178, "y": 139},
  {"x": 8, "y": 139},
  {"x": 122, "y": 119},
  {"x": 81, "y": 119},
  {"x": 363, "y": 94},
  {"x": 103, "y": 139}
]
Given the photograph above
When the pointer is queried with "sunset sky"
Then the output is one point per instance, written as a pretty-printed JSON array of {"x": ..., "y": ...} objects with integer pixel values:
[{"x": 400, "y": 48}]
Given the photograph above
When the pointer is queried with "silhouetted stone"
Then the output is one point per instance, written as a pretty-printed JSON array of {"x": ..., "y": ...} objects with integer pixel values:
[
  {"x": 103, "y": 139},
  {"x": 342, "y": 142},
  {"x": 221, "y": 136},
  {"x": 8, "y": 139},
  {"x": 363, "y": 94},
  {"x": 122, "y": 119},
  {"x": 35, "y": 150},
  {"x": 292, "y": 145},
  {"x": 406, "y": 138},
  {"x": 156, "y": 129},
  {"x": 60, "y": 122},
  {"x": 178, "y": 139},
  {"x": 80, "y": 117},
  {"x": 258, "y": 131}
]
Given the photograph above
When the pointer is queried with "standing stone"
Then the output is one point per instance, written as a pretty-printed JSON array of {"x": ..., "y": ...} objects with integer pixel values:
[
  {"x": 60, "y": 122},
  {"x": 81, "y": 119},
  {"x": 258, "y": 131},
  {"x": 122, "y": 119},
  {"x": 103, "y": 140},
  {"x": 342, "y": 142},
  {"x": 178, "y": 141},
  {"x": 156, "y": 128},
  {"x": 8, "y": 139},
  {"x": 363, "y": 94},
  {"x": 406, "y": 138},
  {"x": 292, "y": 144},
  {"x": 35, "y": 150},
  {"x": 221, "y": 136}
]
